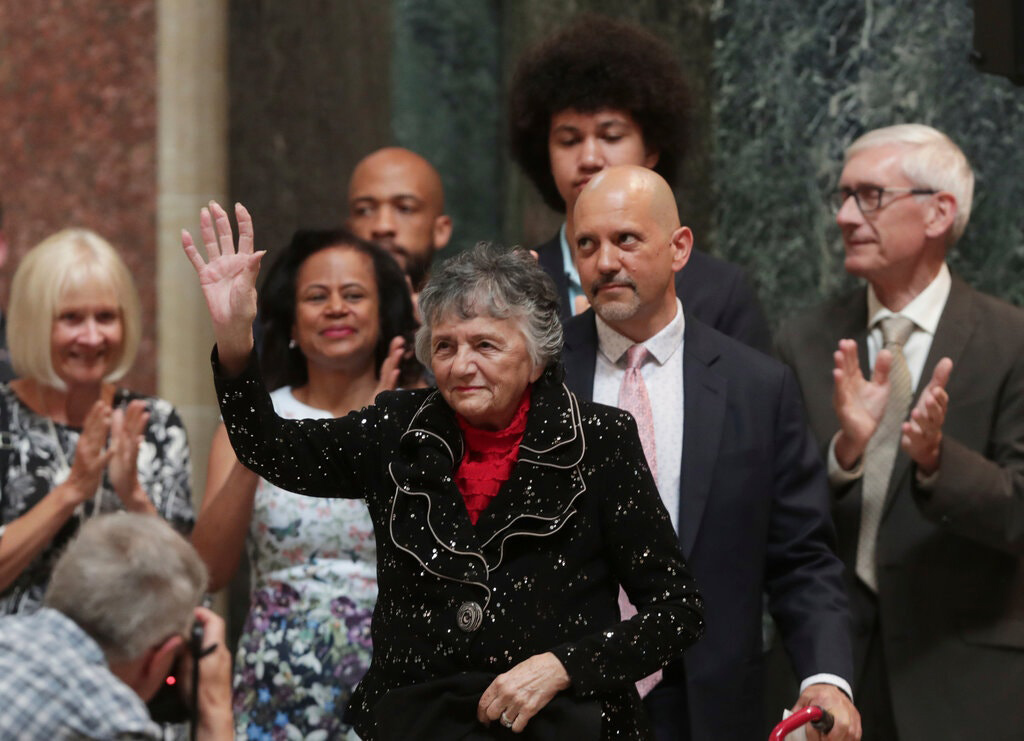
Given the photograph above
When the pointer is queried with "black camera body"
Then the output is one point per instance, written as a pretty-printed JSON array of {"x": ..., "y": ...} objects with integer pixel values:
[{"x": 169, "y": 704}]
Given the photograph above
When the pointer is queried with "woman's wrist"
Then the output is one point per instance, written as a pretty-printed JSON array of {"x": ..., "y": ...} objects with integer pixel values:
[
  {"x": 71, "y": 493},
  {"x": 138, "y": 501},
  {"x": 234, "y": 345}
]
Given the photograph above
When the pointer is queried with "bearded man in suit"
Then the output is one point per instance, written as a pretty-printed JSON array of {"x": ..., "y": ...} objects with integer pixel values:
[
  {"x": 925, "y": 457},
  {"x": 396, "y": 201},
  {"x": 734, "y": 461}
]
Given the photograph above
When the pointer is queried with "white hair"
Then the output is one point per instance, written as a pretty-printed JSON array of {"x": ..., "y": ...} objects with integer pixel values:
[{"x": 931, "y": 160}]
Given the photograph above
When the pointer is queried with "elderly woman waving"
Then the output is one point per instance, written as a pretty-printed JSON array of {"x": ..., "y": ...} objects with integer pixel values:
[{"x": 507, "y": 512}]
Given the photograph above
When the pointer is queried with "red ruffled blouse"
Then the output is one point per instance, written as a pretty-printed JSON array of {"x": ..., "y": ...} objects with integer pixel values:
[{"x": 489, "y": 457}]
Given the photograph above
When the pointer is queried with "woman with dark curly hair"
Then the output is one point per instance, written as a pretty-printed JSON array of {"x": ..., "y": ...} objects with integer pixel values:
[
  {"x": 336, "y": 314},
  {"x": 602, "y": 92}
]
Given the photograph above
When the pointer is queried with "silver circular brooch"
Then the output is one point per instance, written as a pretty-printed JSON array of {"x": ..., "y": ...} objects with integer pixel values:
[{"x": 469, "y": 617}]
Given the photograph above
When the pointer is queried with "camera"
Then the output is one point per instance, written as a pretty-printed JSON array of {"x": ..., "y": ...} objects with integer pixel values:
[{"x": 169, "y": 704}]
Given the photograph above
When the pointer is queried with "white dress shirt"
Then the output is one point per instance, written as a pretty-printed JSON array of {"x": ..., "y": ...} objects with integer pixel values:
[{"x": 663, "y": 375}]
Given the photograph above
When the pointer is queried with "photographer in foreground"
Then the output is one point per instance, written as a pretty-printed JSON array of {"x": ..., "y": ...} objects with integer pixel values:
[{"x": 115, "y": 619}]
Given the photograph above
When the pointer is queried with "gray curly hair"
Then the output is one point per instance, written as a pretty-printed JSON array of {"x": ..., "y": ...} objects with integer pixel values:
[{"x": 503, "y": 284}]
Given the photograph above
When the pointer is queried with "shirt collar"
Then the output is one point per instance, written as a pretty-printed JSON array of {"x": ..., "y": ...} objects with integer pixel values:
[
  {"x": 660, "y": 346},
  {"x": 926, "y": 308}
]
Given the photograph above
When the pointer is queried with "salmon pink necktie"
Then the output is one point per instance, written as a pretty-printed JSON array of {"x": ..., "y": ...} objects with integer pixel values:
[{"x": 634, "y": 399}]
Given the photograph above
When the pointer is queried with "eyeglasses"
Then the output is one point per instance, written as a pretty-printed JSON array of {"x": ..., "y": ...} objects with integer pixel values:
[{"x": 869, "y": 197}]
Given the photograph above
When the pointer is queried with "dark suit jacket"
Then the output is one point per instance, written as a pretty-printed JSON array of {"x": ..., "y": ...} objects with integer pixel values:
[
  {"x": 753, "y": 519},
  {"x": 543, "y": 561},
  {"x": 715, "y": 291},
  {"x": 950, "y": 567}
]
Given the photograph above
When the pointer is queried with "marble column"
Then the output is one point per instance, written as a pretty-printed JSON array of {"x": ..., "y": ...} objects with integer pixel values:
[{"x": 192, "y": 170}]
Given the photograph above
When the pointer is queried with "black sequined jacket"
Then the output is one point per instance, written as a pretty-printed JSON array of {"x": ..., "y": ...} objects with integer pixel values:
[{"x": 539, "y": 571}]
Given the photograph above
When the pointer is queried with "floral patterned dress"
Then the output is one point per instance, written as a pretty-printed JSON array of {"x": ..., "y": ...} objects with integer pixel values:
[
  {"x": 306, "y": 640},
  {"x": 36, "y": 455}
]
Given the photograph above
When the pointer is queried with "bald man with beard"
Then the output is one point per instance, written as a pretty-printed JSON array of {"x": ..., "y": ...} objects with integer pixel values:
[
  {"x": 396, "y": 200},
  {"x": 735, "y": 463}
]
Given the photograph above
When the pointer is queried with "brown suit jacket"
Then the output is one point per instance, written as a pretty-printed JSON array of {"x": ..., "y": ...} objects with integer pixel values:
[{"x": 950, "y": 560}]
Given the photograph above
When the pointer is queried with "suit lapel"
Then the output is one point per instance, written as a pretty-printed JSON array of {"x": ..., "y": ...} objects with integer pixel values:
[
  {"x": 956, "y": 325},
  {"x": 951, "y": 335},
  {"x": 580, "y": 354},
  {"x": 704, "y": 401}
]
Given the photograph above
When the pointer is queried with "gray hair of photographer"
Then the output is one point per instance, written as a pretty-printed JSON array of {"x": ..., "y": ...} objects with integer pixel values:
[{"x": 129, "y": 581}]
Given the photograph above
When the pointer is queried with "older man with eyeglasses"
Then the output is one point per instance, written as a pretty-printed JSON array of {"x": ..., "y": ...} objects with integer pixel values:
[{"x": 925, "y": 455}]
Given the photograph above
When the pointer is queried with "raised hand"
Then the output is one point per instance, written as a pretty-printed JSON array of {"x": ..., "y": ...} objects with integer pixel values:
[
  {"x": 126, "y": 430},
  {"x": 228, "y": 280},
  {"x": 858, "y": 402},
  {"x": 921, "y": 437}
]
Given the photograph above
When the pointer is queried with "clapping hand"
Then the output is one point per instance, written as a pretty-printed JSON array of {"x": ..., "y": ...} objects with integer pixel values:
[
  {"x": 859, "y": 403},
  {"x": 91, "y": 453},
  {"x": 921, "y": 437},
  {"x": 390, "y": 369},
  {"x": 228, "y": 281},
  {"x": 126, "y": 430}
]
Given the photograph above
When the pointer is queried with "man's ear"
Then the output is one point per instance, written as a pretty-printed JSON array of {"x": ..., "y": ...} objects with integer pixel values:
[
  {"x": 156, "y": 665},
  {"x": 681, "y": 245},
  {"x": 941, "y": 214},
  {"x": 442, "y": 231},
  {"x": 651, "y": 158}
]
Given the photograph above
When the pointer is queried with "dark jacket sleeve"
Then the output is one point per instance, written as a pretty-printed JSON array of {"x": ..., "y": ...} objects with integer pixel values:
[
  {"x": 804, "y": 582},
  {"x": 643, "y": 549},
  {"x": 318, "y": 457}
]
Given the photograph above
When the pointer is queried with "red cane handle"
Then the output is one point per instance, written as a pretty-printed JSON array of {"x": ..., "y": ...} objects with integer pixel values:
[{"x": 821, "y": 719}]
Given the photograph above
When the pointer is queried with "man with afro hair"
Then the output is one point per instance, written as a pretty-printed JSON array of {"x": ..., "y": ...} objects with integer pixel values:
[{"x": 599, "y": 93}]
